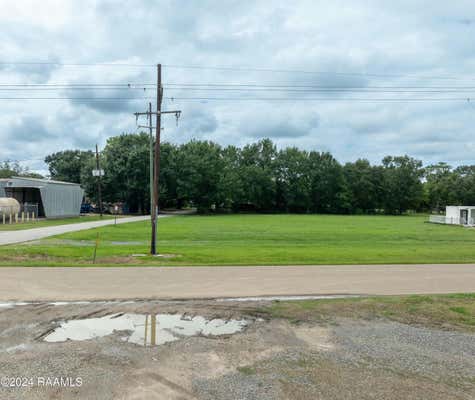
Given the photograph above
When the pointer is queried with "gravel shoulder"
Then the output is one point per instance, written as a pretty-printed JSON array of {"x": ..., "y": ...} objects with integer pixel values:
[{"x": 274, "y": 358}]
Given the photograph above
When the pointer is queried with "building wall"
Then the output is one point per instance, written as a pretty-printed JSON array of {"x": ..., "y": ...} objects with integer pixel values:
[
  {"x": 61, "y": 200},
  {"x": 452, "y": 212},
  {"x": 58, "y": 199}
]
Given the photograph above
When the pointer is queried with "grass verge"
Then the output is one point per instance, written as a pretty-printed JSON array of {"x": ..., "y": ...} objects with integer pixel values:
[
  {"x": 453, "y": 311},
  {"x": 257, "y": 240}
]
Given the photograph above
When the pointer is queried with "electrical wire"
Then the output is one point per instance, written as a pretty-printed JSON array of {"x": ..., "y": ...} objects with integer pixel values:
[
  {"x": 172, "y": 98},
  {"x": 319, "y": 99},
  {"x": 235, "y": 68}
]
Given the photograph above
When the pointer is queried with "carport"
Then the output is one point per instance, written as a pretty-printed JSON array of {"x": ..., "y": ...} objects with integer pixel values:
[{"x": 55, "y": 199}]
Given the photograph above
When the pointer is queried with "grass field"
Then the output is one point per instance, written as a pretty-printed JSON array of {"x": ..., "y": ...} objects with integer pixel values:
[
  {"x": 50, "y": 222},
  {"x": 257, "y": 240},
  {"x": 452, "y": 311}
]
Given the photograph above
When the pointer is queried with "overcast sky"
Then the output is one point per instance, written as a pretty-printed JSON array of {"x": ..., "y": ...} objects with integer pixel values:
[{"x": 345, "y": 44}]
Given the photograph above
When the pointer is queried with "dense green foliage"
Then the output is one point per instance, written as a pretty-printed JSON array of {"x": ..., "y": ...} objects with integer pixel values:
[
  {"x": 257, "y": 239},
  {"x": 67, "y": 165},
  {"x": 259, "y": 177},
  {"x": 9, "y": 169}
]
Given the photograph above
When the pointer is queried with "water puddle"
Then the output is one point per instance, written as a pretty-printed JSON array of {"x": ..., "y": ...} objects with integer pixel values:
[
  {"x": 145, "y": 330},
  {"x": 13, "y": 304}
]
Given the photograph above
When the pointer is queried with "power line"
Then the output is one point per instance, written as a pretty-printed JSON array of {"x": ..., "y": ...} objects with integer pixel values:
[
  {"x": 36, "y": 89},
  {"x": 128, "y": 84},
  {"x": 349, "y": 99},
  {"x": 252, "y": 90},
  {"x": 236, "y": 69},
  {"x": 320, "y": 99},
  {"x": 312, "y": 86},
  {"x": 251, "y": 69},
  {"x": 78, "y": 98},
  {"x": 232, "y": 87},
  {"x": 61, "y": 64},
  {"x": 329, "y": 90}
]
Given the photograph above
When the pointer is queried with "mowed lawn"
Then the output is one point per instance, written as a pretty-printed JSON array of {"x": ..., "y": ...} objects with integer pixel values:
[{"x": 257, "y": 240}]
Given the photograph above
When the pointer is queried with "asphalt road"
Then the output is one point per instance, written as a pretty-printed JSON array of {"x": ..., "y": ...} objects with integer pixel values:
[
  {"x": 107, "y": 283},
  {"x": 11, "y": 237}
]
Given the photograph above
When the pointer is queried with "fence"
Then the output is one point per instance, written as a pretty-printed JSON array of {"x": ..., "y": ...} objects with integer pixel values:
[
  {"x": 442, "y": 219},
  {"x": 10, "y": 214},
  {"x": 438, "y": 219}
]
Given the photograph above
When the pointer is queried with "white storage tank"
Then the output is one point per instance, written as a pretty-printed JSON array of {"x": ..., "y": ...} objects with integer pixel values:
[{"x": 9, "y": 206}]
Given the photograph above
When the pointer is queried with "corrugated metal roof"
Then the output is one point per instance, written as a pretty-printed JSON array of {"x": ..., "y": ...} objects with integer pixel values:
[
  {"x": 60, "y": 199},
  {"x": 44, "y": 180}
]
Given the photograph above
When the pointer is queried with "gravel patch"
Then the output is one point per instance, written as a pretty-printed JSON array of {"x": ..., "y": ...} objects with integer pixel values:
[{"x": 343, "y": 359}]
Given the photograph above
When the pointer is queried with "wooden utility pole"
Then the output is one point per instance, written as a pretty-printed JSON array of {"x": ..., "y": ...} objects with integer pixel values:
[
  {"x": 155, "y": 167},
  {"x": 156, "y": 175},
  {"x": 151, "y": 154},
  {"x": 99, "y": 180}
]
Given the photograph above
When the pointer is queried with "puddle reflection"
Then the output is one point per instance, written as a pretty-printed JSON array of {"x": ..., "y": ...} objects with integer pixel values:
[{"x": 144, "y": 330}]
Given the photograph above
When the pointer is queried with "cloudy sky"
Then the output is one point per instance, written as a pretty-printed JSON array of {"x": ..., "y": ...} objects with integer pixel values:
[{"x": 356, "y": 78}]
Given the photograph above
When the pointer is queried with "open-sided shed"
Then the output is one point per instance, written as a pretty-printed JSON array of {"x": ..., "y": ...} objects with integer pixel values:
[{"x": 55, "y": 199}]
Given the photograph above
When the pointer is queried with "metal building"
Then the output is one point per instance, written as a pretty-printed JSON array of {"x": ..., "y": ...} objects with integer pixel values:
[
  {"x": 55, "y": 199},
  {"x": 456, "y": 215}
]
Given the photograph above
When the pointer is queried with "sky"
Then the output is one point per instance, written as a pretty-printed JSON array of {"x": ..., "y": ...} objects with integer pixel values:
[{"x": 401, "y": 75}]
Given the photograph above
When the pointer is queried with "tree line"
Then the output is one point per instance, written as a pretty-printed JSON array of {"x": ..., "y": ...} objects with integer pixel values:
[
  {"x": 259, "y": 177},
  {"x": 13, "y": 168}
]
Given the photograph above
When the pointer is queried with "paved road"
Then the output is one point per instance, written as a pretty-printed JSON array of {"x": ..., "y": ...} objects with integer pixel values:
[
  {"x": 42, "y": 283},
  {"x": 10, "y": 237}
]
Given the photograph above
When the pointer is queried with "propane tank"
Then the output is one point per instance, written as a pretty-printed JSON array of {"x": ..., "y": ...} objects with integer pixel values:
[{"x": 9, "y": 205}]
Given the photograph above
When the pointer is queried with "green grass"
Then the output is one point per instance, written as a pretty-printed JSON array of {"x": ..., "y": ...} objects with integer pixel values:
[
  {"x": 440, "y": 311},
  {"x": 49, "y": 222},
  {"x": 258, "y": 240}
]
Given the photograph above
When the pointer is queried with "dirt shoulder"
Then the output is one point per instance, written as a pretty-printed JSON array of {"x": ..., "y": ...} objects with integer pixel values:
[{"x": 320, "y": 354}]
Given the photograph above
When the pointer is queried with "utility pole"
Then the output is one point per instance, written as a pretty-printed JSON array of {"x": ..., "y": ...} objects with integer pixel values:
[
  {"x": 151, "y": 154},
  {"x": 156, "y": 175},
  {"x": 99, "y": 180},
  {"x": 156, "y": 165}
]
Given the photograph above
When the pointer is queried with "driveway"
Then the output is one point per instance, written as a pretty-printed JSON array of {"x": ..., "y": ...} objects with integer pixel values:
[
  {"x": 107, "y": 283},
  {"x": 11, "y": 237}
]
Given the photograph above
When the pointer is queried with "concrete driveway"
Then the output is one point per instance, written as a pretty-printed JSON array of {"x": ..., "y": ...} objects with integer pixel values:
[{"x": 11, "y": 237}]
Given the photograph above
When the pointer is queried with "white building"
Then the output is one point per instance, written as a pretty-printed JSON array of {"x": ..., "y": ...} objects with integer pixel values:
[{"x": 456, "y": 215}]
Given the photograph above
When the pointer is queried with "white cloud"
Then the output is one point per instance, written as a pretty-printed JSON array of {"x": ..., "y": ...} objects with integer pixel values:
[{"x": 406, "y": 40}]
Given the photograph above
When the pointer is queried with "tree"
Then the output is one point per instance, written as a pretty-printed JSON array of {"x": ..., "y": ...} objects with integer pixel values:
[
  {"x": 462, "y": 185},
  {"x": 125, "y": 160},
  {"x": 293, "y": 180},
  {"x": 230, "y": 186},
  {"x": 68, "y": 165},
  {"x": 329, "y": 191},
  {"x": 439, "y": 186},
  {"x": 364, "y": 186},
  {"x": 199, "y": 165},
  {"x": 402, "y": 179},
  {"x": 168, "y": 177},
  {"x": 258, "y": 175},
  {"x": 9, "y": 169}
]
